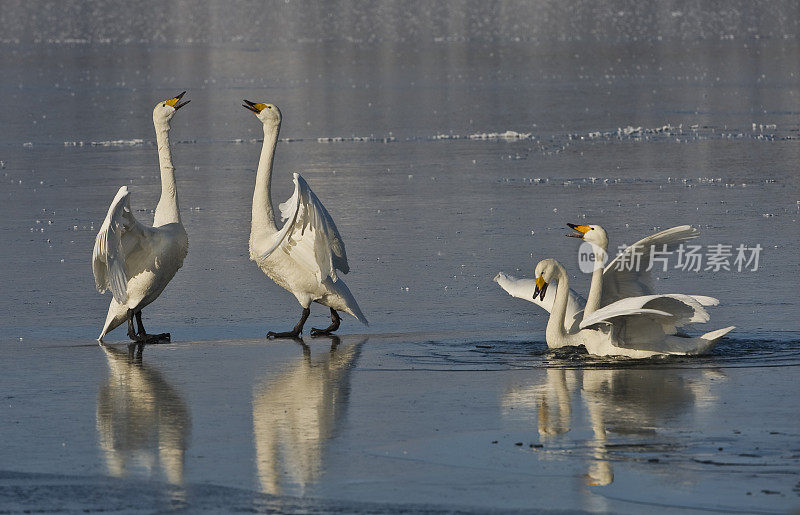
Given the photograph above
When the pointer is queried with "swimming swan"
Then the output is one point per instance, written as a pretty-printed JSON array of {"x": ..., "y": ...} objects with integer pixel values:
[
  {"x": 608, "y": 284},
  {"x": 634, "y": 327},
  {"x": 627, "y": 275}
]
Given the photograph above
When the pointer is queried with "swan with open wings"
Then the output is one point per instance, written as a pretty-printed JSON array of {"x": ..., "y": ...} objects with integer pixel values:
[
  {"x": 133, "y": 260},
  {"x": 307, "y": 254}
]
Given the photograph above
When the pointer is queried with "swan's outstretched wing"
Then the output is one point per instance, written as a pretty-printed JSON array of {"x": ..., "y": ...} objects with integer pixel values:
[
  {"x": 523, "y": 289},
  {"x": 650, "y": 322},
  {"x": 678, "y": 309},
  {"x": 626, "y": 275},
  {"x": 309, "y": 235},
  {"x": 121, "y": 249}
]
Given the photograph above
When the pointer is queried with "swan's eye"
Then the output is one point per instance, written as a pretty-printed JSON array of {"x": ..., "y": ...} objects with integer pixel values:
[{"x": 269, "y": 107}]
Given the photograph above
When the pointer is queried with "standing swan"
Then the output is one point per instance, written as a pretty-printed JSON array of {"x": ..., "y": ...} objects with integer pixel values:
[
  {"x": 303, "y": 256},
  {"x": 635, "y": 327},
  {"x": 133, "y": 260}
]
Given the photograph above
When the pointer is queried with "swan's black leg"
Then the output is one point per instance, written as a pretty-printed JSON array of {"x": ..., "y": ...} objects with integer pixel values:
[
  {"x": 143, "y": 337},
  {"x": 335, "y": 320},
  {"x": 139, "y": 324},
  {"x": 131, "y": 332},
  {"x": 298, "y": 329}
]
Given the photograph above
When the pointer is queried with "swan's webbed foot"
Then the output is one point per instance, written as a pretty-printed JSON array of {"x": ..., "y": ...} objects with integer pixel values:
[
  {"x": 335, "y": 321},
  {"x": 285, "y": 334},
  {"x": 294, "y": 333},
  {"x": 158, "y": 338}
]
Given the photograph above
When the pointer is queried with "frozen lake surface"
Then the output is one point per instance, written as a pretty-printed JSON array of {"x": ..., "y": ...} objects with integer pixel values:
[
  {"x": 407, "y": 421},
  {"x": 443, "y": 162}
]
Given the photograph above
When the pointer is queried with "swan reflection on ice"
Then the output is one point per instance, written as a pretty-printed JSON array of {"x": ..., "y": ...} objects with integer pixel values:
[
  {"x": 621, "y": 405},
  {"x": 143, "y": 424},
  {"x": 295, "y": 413}
]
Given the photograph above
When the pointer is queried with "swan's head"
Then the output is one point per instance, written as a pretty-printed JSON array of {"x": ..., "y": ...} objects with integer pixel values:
[
  {"x": 267, "y": 113},
  {"x": 165, "y": 110},
  {"x": 546, "y": 271},
  {"x": 591, "y": 233}
]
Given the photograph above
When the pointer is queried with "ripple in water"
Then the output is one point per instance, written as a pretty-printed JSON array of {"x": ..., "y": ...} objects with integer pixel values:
[{"x": 748, "y": 351}]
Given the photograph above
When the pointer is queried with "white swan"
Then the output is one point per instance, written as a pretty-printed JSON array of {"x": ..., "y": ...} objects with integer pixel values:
[
  {"x": 627, "y": 274},
  {"x": 635, "y": 327},
  {"x": 304, "y": 255},
  {"x": 133, "y": 260},
  {"x": 608, "y": 284}
]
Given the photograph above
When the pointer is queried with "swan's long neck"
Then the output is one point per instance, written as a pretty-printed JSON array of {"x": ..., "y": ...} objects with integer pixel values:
[
  {"x": 596, "y": 286},
  {"x": 263, "y": 215},
  {"x": 167, "y": 210},
  {"x": 555, "y": 332}
]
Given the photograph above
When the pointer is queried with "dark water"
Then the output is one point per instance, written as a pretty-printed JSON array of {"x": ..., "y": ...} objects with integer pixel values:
[{"x": 448, "y": 144}]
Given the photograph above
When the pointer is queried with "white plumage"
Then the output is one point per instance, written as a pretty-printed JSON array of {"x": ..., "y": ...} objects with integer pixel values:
[
  {"x": 524, "y": 288},
  {"x": 609, "y": 283},
  {"x": 635, "y": 327},
  {"x": 310, "y": 235},
  {"x": 631, "y": 319},
  {"x": 621, "y": 281},
  {"x": 134, "y": 261},
  {"x": 307, "y": 254}
]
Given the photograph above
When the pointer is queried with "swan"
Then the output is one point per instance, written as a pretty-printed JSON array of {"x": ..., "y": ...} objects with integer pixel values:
[
  {"x": 608, "y": 284},
  {"x": 614, "y": 282},
  {"x": 133, "y": 260},
  {"x": 634, "y": 327},
  {"x": 304, "y": 255}
]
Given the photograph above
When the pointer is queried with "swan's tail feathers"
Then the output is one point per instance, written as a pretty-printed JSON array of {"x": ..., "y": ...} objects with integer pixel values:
[
  {"x": 346, "y": 302},
  {"x": 714, "y": 336},
  {"x": 703, "y": 344},
  {"x": 117, "y": 315},
  {"x": 356, "y": 312}
]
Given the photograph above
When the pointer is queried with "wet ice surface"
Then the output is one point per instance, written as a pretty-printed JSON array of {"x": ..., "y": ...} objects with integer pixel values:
[
  {"x": 442, "y": 163},
  {"x": 485, "y": 162},
  {"x": 373, "y": 423}
]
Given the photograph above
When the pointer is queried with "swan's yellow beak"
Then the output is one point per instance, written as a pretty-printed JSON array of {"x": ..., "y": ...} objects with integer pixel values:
[
  {"x": 255, "y": 107},
  {"x": 541, "y": 288},
  {"x": 582, "y": 230},
  {"x": 173, "y": 102}
]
